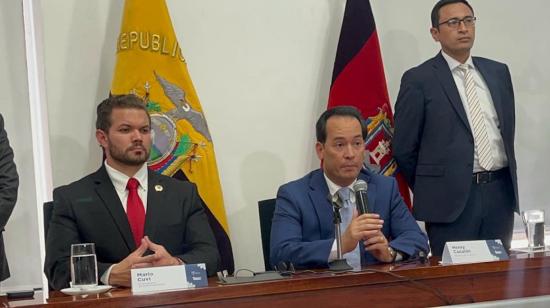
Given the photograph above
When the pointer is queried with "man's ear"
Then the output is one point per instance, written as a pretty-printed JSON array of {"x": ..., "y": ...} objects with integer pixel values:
[
  {"x": 435, "y": 33},
  {"x": 319, "y": 149},
  {"x": 101, "y": 137}
]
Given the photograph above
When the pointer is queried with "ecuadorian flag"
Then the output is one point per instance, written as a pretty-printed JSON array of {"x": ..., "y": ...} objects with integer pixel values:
[{"x": 150, "y": 64}]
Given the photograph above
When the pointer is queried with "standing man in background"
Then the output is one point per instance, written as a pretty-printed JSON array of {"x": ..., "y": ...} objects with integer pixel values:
[
  {"x": 9, "y": 182},
  {"x": 454, "y": 136}
]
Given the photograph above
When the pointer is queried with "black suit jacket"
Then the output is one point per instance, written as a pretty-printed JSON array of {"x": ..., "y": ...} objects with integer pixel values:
[
  {"x": 89, "y": 211},
  {"x": 433, "y": 143},
  {"x": 9, "y": 182}
]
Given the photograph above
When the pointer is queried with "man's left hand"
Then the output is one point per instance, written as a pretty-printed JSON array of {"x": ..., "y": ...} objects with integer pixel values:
[
  {"x": 377, "y": 245},
  {"x": 161, "y": 256}
]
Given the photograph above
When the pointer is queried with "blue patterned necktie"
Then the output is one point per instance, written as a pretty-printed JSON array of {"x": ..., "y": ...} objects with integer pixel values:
[{"x": 353, "y": 257}]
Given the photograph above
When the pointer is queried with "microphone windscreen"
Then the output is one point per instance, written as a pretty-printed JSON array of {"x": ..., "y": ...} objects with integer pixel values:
[
  {"x": 361, "y": 199},
  {"x": 334, "y": 200},
  {"x": 360, "y": 185}
]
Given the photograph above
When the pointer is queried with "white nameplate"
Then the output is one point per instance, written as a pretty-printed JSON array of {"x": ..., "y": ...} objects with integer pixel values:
[
  {"x": 473, "y": 252},
  {"x": 168, "y": 278}
]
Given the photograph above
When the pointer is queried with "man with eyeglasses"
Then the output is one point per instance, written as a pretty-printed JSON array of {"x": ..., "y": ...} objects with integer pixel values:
[
  {"x": 303, "y": 231},
  {"x": 454, "y": 136}
]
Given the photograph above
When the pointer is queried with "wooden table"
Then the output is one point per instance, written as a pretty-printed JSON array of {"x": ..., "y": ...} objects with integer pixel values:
[{"x": 416, "y": 285}]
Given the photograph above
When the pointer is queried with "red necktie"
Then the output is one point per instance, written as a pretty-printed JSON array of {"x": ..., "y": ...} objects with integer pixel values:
[{"x": 135, "y": 211}]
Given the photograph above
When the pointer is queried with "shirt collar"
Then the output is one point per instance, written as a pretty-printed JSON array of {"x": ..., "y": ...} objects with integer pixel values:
[
  {"x": 333, "y": 188},
  {"x": 120, "y": 179},
  {"x": 453, "y": 63}
]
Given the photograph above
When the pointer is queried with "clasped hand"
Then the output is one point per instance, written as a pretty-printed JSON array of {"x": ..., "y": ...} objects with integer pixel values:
[
  {"x": 367, "y": 228},
  {"x": 120, "y": 272}
]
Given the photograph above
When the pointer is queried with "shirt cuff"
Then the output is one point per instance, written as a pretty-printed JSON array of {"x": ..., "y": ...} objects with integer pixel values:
[
  {"x": 105, "y": 277},
  {"x": 333, "y": 252},
  {"x": 398, "y": 256}
]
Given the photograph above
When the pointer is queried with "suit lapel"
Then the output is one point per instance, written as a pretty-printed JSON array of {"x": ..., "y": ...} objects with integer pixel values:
[
  {"x": 318, "y": 194},
  {"x": 493, "y": 89},
  {"x": 106, "y": 192},
  {"x": 446, "y": 79},
  {"x": 155, "y": 200}
]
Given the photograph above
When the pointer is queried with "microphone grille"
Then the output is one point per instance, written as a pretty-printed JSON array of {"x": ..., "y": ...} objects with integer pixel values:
[
  {"x": 335, "y": 200},
  {"x": 360, "y": 185}
]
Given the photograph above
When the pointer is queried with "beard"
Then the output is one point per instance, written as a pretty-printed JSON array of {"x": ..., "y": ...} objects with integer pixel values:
[{"x": 127, "y": 157}]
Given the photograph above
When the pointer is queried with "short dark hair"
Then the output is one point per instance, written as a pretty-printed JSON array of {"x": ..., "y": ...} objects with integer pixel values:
[
  {"x": 343, "y": 111},
  {"x": 126, "y": 101},
  {"x": 442, "y": 3}
]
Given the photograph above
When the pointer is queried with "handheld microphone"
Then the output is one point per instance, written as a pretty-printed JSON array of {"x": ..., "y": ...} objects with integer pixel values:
[{"x": 361, "y": 201}]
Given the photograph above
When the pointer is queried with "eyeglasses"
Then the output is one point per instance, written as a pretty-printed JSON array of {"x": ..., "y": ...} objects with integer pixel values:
[{"x": 469, "y": 21}]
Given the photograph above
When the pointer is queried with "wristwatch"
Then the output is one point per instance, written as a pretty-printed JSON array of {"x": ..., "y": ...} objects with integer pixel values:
[{"x": 393, "y": 253}]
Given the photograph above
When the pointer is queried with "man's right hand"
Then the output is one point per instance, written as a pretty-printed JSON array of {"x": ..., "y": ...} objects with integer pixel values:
[
  {"x": 120, "y": 273},
  {"x": 360, "y": 228}
]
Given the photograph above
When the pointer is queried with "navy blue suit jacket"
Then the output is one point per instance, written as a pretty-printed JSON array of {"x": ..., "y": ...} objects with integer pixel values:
[
  {"x": 303, "y": 230},
  {"x": 433, "y": 143}
]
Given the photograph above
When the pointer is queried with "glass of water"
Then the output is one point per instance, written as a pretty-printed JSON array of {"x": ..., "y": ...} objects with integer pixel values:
[
  {"x": 534, "y": 227},
  {"x": 83, "y": 266}
]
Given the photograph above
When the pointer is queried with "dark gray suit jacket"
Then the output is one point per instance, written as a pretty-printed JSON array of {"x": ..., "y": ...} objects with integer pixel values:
[
  {"x": 433, "y": 143},
  {"x": 9, "y": 182},
  {"x": 89, "y": 211}
]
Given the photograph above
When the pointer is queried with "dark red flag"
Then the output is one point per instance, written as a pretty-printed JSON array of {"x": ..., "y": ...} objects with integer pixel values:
[{"x": 358, "y": 80}]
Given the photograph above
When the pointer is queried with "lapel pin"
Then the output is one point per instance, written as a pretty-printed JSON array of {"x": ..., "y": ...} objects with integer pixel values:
[{"x": 159, "y": 187}]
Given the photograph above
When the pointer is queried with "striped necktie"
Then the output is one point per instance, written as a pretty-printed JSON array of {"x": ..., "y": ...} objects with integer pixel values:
[{"x": 481, "y": 138}]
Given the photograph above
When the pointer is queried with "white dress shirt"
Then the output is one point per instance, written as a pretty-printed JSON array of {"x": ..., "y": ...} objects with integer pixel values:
[
  {"x": 120, "y": 180},
  {"x": 487, "y": 107}
]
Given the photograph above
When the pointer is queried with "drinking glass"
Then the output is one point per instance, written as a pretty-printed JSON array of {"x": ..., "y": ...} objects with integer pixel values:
[
  {"x": 534, "y": 227},
  {"x": 83, "y": 266}
]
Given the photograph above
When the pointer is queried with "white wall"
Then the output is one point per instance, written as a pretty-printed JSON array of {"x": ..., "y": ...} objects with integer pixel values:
[
  {"x": 262, "y": 69},
  {"x": 21, "y": 235}
]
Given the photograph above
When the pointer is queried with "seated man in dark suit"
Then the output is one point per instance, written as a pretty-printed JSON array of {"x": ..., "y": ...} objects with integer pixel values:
[
  {"x": 303, "y": 231},
  {"x": 127, "y": 210}
]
